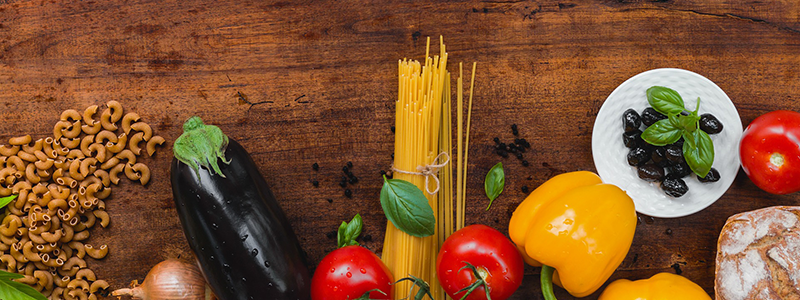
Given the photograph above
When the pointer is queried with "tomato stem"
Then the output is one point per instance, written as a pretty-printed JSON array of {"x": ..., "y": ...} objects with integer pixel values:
[
  {"x": 547, "y": 283},
  {"x": 480, "y": 281},
  {"x": 776, "y": 159},
  {"x": 366, "y": 295},
  {"x": 424, "y": 288}
]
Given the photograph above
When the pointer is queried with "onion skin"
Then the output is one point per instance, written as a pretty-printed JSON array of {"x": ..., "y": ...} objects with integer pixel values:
[{"x": 171, "y": 280}]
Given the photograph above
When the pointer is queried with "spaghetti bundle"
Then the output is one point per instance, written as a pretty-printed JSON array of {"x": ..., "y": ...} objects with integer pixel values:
[{"x": 423, "y": 137}]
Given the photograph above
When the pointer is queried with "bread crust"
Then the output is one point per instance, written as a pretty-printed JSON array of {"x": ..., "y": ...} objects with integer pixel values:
[{"x": 758, "y": 255}]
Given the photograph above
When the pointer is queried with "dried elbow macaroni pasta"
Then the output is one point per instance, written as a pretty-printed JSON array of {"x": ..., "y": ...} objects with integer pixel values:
[{"x": 61, "y": 183}]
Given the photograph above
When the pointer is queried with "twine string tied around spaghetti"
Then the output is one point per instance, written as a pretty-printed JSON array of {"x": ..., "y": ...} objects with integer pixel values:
[{"x": 429, "y": 171}]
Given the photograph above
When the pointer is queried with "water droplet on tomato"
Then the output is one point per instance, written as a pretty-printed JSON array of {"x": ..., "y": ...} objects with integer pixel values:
[
  {"x": 333, "y": 270},
  {"x": 363, "y": 271},
  {"x": 335, "y": 288},
  {"x": 349, "y": 275}
]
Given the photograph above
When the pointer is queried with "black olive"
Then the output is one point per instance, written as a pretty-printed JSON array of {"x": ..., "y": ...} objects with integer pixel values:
[
  {"x": 651, "y": 172},
  {"x": 674, "y": 154},
  {"x": 679, "y": 170},
  {"x": 631, "y": 120},
  {"x": 638, "y": 156},
  {"x": 674, "y": 187},
  {"x": 712, "y": 176},
  {"x": 650, "y": 116},
  {"x": 659, "y": 156},
  {"x": 632, "y": 138},
  {"x": 679, "y": 143},
  {"x": 710, "y": 124}
]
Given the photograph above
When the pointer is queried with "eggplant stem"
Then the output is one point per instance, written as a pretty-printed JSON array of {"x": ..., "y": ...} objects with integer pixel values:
[{"x": 547, "y": 283}]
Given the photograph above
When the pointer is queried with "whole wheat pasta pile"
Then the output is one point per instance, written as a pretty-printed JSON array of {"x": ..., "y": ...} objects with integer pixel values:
[{"x": 60, "y": 183}]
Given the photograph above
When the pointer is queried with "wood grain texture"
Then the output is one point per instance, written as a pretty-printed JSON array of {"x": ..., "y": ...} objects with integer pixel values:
[{"x": 299, "y": 82}]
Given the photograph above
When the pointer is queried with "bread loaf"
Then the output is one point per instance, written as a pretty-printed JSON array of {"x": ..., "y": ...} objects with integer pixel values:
[{"x": 758, "y": 255}]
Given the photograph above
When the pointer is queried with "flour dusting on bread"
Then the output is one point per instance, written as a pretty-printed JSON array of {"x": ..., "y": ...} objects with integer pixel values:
[{"x": 758, "y": 255}]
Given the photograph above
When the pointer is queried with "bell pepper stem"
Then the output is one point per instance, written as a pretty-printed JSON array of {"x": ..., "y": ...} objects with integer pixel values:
[{"x": 547, "y": 283}]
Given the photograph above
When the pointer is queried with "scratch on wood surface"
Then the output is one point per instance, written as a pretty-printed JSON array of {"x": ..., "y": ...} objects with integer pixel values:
[
  {"x": 718, "y": 15},
  {"x": 243, "y": 100}
]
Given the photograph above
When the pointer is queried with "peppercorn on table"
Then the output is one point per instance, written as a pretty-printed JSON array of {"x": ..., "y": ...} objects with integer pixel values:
[{"x": 308, "y": 88}]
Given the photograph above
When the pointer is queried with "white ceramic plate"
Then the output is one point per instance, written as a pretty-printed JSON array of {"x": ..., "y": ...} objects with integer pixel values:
[{"x": 610, "y": 154}]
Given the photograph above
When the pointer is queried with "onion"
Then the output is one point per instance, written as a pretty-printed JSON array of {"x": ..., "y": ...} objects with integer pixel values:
[{"x": 171, "y": 280}]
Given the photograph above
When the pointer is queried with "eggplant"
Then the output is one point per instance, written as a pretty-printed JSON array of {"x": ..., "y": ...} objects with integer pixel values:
[{"x": 243, "y": 241}]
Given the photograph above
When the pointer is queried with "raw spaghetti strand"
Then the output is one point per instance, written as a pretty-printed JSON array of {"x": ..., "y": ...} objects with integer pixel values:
[{"x": 462, "y": 205}]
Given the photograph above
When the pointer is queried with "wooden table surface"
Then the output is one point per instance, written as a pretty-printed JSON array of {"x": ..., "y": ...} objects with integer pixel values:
[{"x": 303, "y": 82}]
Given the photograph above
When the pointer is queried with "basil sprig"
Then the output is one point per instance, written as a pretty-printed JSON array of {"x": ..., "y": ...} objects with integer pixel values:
[
  {"x": 6, "y": 200},
  {"x": 698, "y": 149},
  {"x": 665, "y": 100},
  {"x": 494, "y": 183},
  {"x": 407, "y": 208},
  {"x": 12, "y": 290},
  {"x": 348, "y": 232},
  {"x": 662, "y": 133}
]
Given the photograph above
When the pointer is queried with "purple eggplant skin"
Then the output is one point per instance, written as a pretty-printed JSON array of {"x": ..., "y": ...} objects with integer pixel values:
[{"x": 244, "y": 243}]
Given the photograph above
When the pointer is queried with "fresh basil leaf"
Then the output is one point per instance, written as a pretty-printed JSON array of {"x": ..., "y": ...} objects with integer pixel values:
[
  {"x": 12, "y": 290},
  {"x": 662, "y": 133},
  {"x": 688, "y": 123},
  {"x": 348, "y": 232},
  {"x": 9, "y": 275},
  {"x": 407, "y": 208},
  {"x": 698, "y": 150},
  {"x": 6, "y": 200},
  {"x": 665, "y": 100},
  {"x": 494, "y": 183}
]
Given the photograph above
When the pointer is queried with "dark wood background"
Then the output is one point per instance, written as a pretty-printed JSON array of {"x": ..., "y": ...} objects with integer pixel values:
[{"x": 303, "y": 82}]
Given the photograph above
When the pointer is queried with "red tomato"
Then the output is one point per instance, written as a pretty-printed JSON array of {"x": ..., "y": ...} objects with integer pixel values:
[
  {"x": 350, "y": 272},
  {"x": 492, "y": 254},
  {"x": 770, "y": 152}
]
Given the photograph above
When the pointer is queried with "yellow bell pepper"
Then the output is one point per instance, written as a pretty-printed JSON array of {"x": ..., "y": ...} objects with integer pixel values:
[
  {"x": 578, "y": 225},
  {"x": 662, "y": 286}
]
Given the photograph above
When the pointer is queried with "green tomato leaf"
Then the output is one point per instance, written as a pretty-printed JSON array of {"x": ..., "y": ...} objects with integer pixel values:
[
  {"x": 6, "y": 200},
  {"x": 698, "y": 150},
  {"x": 665, "y": 100},
  {"x": 348, "y": 232},
  {"x": 662, "y": 133},
  {"x": 12, "y": 290},
  {"x": 494, "y": 183},
  {"x": 407, "y": 208}
]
